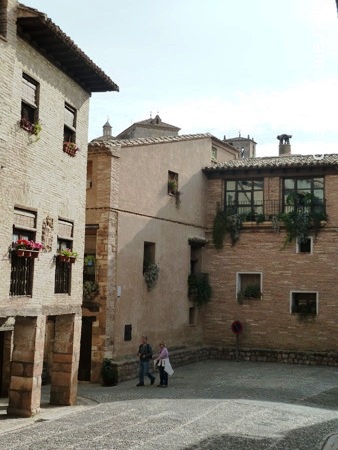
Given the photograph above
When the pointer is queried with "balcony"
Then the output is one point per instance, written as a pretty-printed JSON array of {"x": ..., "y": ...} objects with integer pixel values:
[{"x": 268, "y": 209}]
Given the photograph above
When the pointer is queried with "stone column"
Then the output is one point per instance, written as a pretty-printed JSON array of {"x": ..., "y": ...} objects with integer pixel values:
[
  {"x": 65, "y": 359},
  {"x": 26, "y": 366}
]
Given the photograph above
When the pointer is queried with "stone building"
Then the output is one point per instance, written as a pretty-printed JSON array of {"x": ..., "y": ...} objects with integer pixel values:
[
  {"x": 146, "y": 210},
  {"x": 279, "y": 278},
  {"x": 46, "y": 84},
  {"x": 245, "y": 146},
  {"x": 150, "y": 127}
]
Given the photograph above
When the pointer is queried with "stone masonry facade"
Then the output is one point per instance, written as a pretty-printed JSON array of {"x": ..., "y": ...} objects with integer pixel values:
[{"x": 42, "y": 199}]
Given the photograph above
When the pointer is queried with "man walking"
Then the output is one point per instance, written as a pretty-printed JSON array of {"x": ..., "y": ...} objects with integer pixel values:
[{"x": 145, "y": 354}]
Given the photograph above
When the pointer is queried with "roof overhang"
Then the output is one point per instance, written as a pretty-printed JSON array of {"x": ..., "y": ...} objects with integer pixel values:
[{"x": 47, "y": 38}]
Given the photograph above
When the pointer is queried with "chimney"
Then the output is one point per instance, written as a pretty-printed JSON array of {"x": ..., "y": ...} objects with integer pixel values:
[{"x": 284, "y": 144}]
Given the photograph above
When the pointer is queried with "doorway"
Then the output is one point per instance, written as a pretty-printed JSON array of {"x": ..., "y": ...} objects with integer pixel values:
[{"x": 86, "y": 349}]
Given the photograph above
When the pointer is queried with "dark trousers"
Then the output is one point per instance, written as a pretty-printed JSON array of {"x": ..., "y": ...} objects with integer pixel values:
[{"x": 163, "y": 376}]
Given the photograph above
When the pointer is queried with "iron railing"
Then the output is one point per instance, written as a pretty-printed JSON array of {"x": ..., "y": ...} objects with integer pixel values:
[
  {"x": 62, "y": 277},
  {"x": 266, "y": 210},
  {"x": 21, "y": 275}
]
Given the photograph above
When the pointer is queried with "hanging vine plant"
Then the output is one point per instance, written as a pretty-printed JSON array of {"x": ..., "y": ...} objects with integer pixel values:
[
  {"x": 199, "y": 289},
  {"x": 302, "y": 219},
  {"x": 224, "y": 224},
  {"x": 150, "y": 273}
]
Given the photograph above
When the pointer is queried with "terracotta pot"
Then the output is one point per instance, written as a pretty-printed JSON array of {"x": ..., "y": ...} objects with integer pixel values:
[
  {"x": 63, "y": 258},
  {"x": 72, "y": 259},
  {"x": 20, "y": 252},
  {"x": 35, "y": 254}
]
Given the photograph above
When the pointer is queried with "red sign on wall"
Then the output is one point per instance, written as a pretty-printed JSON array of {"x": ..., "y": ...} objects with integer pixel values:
[{"x": 237, "y": 327}]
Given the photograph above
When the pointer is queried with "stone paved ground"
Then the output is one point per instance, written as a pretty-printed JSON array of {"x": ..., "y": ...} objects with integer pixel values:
[{"x": 211, "y": 405}]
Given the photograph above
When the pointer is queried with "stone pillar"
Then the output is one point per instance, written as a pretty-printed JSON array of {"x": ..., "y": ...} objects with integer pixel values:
[
  {"x": 65, "y": 359},
  {"x": 26, "y": 366}
]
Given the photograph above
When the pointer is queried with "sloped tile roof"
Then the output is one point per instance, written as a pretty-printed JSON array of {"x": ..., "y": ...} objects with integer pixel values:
[
  {"x": 275, "y": 162},
  {"x": 41, "y": 33},
  {"x": 152, "y": 140}
]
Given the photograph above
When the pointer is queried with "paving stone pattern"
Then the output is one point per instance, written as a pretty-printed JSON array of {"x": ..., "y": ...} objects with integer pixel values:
[{"x": 208, "y": 405}]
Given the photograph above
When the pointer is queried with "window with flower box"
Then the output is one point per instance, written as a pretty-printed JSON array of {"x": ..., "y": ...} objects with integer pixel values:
[
  {"x": 69, "y": 130},
  {"x": 63, "y": 266},
  {"x": 29, "y": 103},
  {"x": 24, "y": 228},
  {"x": 304, "y": 303},
  {"x": 172, "y": 183}
]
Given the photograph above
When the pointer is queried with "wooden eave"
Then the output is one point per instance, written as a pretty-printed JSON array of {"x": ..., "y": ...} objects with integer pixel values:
[{"x": 49, "y": 40}]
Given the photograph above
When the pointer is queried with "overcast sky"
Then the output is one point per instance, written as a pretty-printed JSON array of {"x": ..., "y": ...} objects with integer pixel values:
[{"x": 255, "y": 67}]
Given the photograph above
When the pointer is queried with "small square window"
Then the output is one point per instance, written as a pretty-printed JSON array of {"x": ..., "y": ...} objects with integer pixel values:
[
  {"x": 304, "y": 303},
  {"x": 249, "y": 286},
  {"x": 304, "y": 245}
]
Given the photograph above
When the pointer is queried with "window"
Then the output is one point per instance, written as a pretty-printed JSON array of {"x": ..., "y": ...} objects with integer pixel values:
[
  {"x": 22, "y": 267},
  {"x": 214, "y": 154},
  {"x": 249, "y": 286},
  {"x": 69, "y": 130},
  {"x": 304, "y": 245},
  {"x": 304, "y": 193},
  {"x": 3, "y": 18},
  {"x": 89, "y": 174},
  {"x": 244, "y": 197},
  {"x": 63, "y": 270},
  {"x": 304, "y": 303},
  {"x": 29, "y": 103},
  {"x": 172, "y": 183},
  {"x": 148, "y": 255},
  {"x": 192, "y": 315},
  {"x": 127, "y": 332}
]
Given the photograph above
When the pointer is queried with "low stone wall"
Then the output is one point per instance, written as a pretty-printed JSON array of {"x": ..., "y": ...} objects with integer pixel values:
[
  {"x": 278, "y": 356},
  {"x": 128, "y": 368}
]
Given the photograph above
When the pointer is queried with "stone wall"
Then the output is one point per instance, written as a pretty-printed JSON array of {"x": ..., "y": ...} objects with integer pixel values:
[{"x": 128, "y": 368}]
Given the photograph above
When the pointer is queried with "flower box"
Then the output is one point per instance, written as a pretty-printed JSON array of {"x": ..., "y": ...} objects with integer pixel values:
[
  {"x": 63, "y": 258},
  {"x": 67, "y": 255},
  {"x": 70, "y": 148},
  {"x": 27, "y": 249},
  {"x": 33, "y": 128},
  {"x": 23, "y": 253}
]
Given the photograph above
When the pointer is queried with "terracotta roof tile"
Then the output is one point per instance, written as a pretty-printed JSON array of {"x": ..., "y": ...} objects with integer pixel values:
[{"x": 275, "y": 162}]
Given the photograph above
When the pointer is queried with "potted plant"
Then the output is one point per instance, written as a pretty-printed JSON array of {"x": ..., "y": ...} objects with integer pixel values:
[
  {"x": 172, "y": 187},
  {"x": 33, "y": 128},
  {"x": 90, "y": 290},
  {"x": 67, "y": 255},
  {"x": 109, "y": 373},
  {"x": 89, "y": 260},
  {"x": 252, "y": 291},
  {"x": 71, "y": 148}
]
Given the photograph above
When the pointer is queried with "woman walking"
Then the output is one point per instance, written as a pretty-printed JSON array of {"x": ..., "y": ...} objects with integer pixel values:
[{"x": 161, "y": 361}]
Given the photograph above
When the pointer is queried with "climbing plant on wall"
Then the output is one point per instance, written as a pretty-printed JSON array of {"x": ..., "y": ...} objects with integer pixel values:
[{"x": 223, "y": 224}]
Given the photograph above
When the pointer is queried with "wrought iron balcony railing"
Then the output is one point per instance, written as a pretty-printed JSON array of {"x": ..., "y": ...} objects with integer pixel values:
[{"x": 268, "y": 209}]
